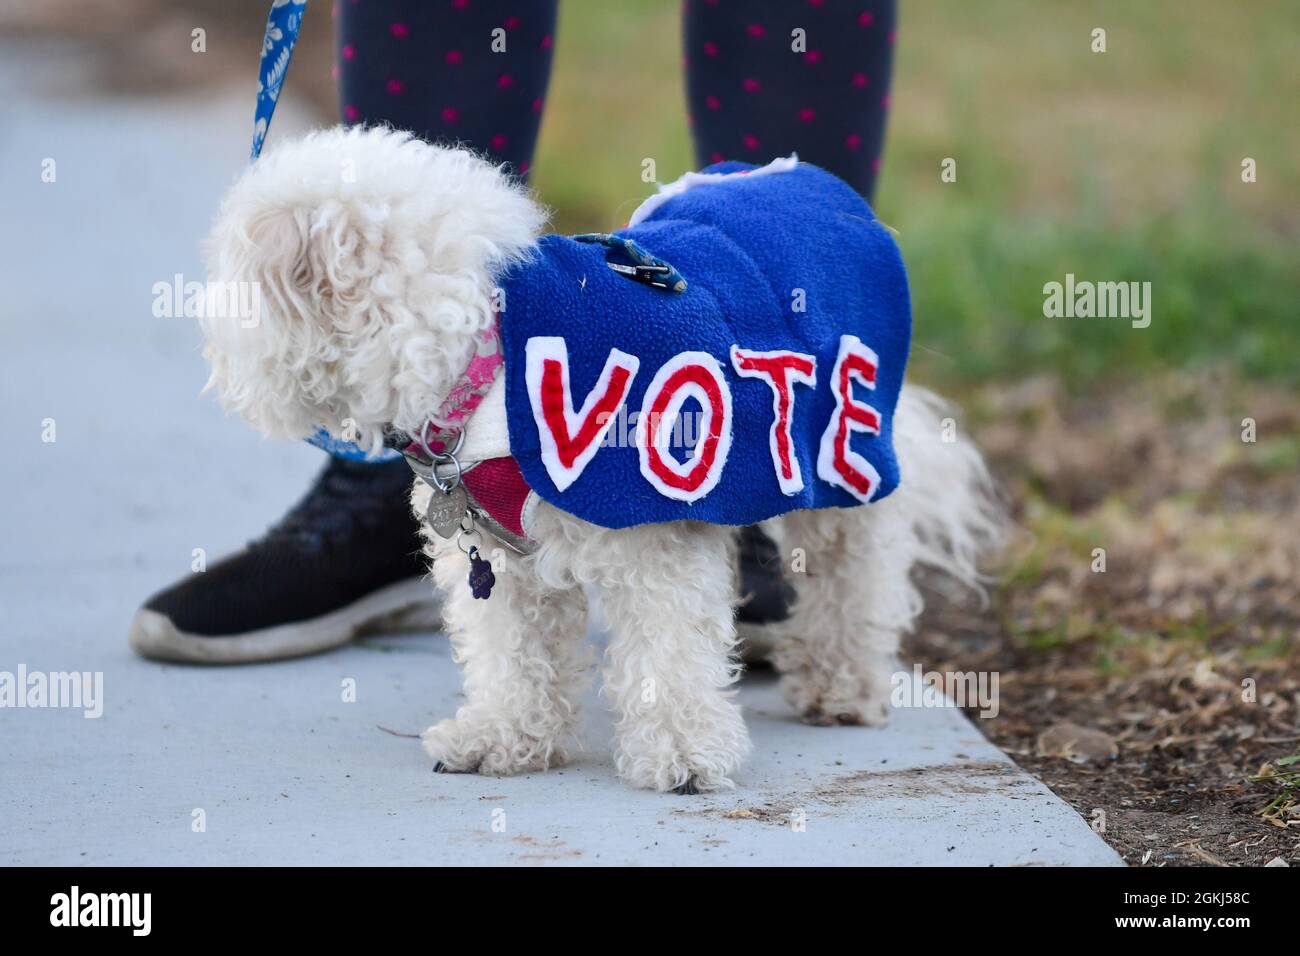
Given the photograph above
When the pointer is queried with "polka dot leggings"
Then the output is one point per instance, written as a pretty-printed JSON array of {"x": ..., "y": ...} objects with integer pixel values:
[
  {"x": 768, "y": 78},
  {"x": 472, "y": 72},
  {"x": 764, "y": 78}
]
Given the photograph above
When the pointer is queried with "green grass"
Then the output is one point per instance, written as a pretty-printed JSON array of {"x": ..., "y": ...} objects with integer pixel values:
[
  {"x": 1276, "y": 647},
  {"x": 1220, "y": 295},
  {"x": 1123, "y": 166},
  {"x": 1284, "y": 774}
]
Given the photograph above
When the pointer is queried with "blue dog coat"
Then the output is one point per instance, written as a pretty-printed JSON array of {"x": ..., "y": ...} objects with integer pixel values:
[{"x": 766, "y": 385}]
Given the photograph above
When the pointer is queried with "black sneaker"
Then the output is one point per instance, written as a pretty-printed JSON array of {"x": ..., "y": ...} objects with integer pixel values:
[
  {"x": 766, "y": 595},
  {"x": 345, "y": 560}
]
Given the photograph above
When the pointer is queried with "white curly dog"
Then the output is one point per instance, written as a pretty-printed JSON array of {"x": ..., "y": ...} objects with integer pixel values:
[{"x": 376, "y": 255}]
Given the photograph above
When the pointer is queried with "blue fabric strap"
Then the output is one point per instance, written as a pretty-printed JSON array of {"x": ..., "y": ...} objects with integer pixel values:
[{"x": 282, "y": 27}]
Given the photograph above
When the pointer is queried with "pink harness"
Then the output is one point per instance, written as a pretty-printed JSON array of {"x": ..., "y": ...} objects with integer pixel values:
[{"x": 496, "y": 490}]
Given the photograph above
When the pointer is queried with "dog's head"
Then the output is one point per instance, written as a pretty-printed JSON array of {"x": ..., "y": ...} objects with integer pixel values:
[{"x": 371, "y": 256}]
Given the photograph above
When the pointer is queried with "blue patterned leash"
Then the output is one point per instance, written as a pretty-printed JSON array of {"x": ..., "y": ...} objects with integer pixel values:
[{"x": 283, "y": 25}]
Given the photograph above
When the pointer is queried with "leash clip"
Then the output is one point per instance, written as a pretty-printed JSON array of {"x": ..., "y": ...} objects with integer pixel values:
[
  {"x": 635, "y": 262},
  {"x": 649, "y": 275},
  {"x": 440, "y": 469},
  {"x": 440, "y": 459},
  {"x": 449, "y": 512},
  {"x": 448, "y": 507}
]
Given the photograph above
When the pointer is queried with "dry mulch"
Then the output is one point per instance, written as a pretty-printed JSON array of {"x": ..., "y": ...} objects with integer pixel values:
[{"x": 1185, "y": 650}]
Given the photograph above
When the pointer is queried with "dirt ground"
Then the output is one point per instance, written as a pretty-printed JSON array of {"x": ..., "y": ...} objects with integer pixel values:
[{"x": 1184, "y": 650}]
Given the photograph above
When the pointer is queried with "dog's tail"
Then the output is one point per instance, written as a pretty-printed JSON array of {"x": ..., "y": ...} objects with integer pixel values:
[{"x": 956, "y": 514}]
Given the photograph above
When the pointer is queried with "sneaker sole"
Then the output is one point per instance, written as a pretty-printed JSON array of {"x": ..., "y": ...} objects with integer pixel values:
[{"x": 404, "y": 606}]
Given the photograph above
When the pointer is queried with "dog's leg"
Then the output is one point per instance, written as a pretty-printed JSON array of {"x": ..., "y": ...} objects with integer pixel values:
[
  {"x": 855, "y": 593},
  {"x": 668, "y": 593},
  {"x": 850, "y": 569},
  {"x": 525, "y": 667}
]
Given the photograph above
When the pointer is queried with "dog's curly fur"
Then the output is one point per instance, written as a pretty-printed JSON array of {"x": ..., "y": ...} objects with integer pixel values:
[{"x": 377, "y": 255}]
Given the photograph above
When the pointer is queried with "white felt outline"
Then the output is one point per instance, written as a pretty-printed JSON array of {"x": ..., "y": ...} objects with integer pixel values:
[
  {"x": 537, "y": 351},
  {"x": 849, "y": 344},
  {"x": 691, "y": 390},
  {"x": 691, "y": 180},
  {"x": 794, "y": 484}
]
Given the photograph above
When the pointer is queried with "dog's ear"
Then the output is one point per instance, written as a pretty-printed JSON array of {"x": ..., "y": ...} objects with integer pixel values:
[{"x": 372, "y": 257}]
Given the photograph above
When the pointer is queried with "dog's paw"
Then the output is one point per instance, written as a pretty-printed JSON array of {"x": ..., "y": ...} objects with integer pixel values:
[
  {"x": 684, "y": 759},
  {"x": 451, "y": 749},
  {"x": 676, "y": 775},
  {"x": 468, "y": 746},
  {"x": 847, "y": 713},
  {"x": 689, "y": 789},
  {"x": 848, "y": 703},
  {"x": 440, "y": 767}
]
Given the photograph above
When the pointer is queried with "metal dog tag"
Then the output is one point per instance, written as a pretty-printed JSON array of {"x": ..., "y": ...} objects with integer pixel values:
[{"x": 446, "y": 510}]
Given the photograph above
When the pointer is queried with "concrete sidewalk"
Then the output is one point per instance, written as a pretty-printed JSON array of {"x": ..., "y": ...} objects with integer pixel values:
[{"x": 272, "y": 760}]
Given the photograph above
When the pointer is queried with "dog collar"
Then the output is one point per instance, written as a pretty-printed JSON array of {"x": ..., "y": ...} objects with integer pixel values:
[
  {"x": 448, "y": 421},
  {"x": 445, "y": 426},
  {"x": 491, "y": 492}
]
